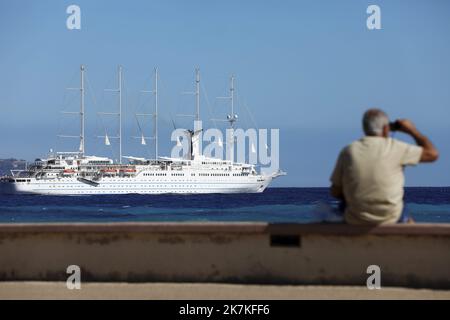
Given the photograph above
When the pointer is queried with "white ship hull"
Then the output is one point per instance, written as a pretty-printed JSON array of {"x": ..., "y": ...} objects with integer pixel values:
[{"x": 72, "y": 186}]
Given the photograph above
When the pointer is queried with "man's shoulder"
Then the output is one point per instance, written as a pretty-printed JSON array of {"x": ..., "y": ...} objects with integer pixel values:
[
  {"x": 372, "y": 141},
  {"x": 354, "y": 144},
  {"x": 402, "y": 146},
  {"x": 364, "y": 144},
  {"x": 379, "y": 143},
  {"x": 346, "y": 152},
  {"x": 346, "y": 149},
  {"x": 400, "y": 143}
]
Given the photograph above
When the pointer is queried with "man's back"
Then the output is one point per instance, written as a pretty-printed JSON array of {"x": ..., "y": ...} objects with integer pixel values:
[{"x": 370, "y": 172}]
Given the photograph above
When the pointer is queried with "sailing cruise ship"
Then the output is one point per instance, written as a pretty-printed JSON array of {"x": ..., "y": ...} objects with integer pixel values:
[{"x": 75, "y": 173}]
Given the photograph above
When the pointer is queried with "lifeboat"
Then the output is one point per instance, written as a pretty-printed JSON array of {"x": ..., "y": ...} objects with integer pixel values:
[
  {"x": 128, "y": 170},
  {"x": 69, "y": 171},
  {"x": 109, "y": 170}
]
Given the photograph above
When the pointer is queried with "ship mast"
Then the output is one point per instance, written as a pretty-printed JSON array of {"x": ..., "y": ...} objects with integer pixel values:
[
  {"x": 193, "y": 134},
  {"x": 197, "y": 93},
  {"x": 82, "y": 111},
  {"x": 119, "y": 114},
  {"x": 155, "y": 118},
  {"x": 232, "y": 118}
]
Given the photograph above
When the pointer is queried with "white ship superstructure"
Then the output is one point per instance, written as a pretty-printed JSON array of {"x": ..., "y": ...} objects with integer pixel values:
[{"x": 75, "y": 173}]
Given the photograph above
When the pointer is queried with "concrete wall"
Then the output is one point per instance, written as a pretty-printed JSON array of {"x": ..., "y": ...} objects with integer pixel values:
[{"x": 408, "y": 255}]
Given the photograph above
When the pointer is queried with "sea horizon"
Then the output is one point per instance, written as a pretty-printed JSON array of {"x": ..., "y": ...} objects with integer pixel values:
[{"x": 275, "y": 205}]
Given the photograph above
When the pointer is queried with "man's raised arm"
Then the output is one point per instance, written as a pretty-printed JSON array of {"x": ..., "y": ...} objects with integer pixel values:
[{"x": 430, "y": 153}]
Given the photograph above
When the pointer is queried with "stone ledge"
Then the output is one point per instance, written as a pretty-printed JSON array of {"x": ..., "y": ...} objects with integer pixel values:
[
  {"x": 415, "y": 255},
  {"x": 426, "y": 229}
]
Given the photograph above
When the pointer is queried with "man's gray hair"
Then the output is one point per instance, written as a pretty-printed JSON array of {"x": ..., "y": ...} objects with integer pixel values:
[{"x": 373, "y": 122}]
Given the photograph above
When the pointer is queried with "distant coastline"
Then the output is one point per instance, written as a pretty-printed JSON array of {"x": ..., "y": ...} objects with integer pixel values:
[{"x": 6, "y": 165}]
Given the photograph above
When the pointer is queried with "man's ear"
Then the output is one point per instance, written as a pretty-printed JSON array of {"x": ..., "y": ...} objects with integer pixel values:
[{"x": 386, "y": 131}]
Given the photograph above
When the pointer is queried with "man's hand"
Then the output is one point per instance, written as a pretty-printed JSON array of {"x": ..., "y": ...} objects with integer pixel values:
[
  {"x": 429, "y": 153},
  {"x": 406, "y": 126}
]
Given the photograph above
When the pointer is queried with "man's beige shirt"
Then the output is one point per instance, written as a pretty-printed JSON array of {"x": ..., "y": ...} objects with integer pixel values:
[{"x": 370, "y": 173}]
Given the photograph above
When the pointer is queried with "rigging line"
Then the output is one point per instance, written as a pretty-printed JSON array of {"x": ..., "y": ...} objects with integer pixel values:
[
  {"x": 67, "y": 100},
  {"x": 90, "y": 90},
  {"x": 248, "y": 112},
  {"x": 112, "y": 150},
  {"x": 188, "y": 89},
  {"x": 67, "y": 97},
  {"x": 147, "y": 80},
  {"x": 96, "y": 146},
  {"x": 110, "y": 147},
  {"x": 94, "y": 102},
  {"x": 208, "y": 105},
  {"x": 147, "y": 146},
  {"x": 124, "y": 108},
  {"x": 139, "y": 104},
  {"x": 69, "y": 84},
  {"x": 103, "y": 96},
  {"x": 136, "y": 106},
  {"x": 139, "y": 107},
  {"x": 124, "y": 101},
  {"x": 139, "y": 125},
  {"x": 108, "y": 86},
  {"x": 147, "y": 150},
  {"x": 163, "y": 97},
  {"x": 169, "y": 109},
  {"x": 225, "y": 105}
]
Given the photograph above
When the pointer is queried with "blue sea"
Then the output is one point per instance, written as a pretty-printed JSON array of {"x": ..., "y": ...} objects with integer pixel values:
[{"x": 274, "y": 205}]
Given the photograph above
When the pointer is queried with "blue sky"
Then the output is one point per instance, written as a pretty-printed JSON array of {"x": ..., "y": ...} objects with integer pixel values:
[{"x": 309, "y": 68}]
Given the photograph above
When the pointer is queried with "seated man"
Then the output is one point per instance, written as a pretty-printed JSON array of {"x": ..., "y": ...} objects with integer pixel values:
[{"x": 368, "y": 176}]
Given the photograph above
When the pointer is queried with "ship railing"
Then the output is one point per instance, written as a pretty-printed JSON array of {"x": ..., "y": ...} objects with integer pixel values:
[{"x": 16, "y": 173}]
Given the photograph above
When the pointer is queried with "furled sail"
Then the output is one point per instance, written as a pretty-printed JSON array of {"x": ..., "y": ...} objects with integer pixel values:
[{"x": 107, "y": 143}]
